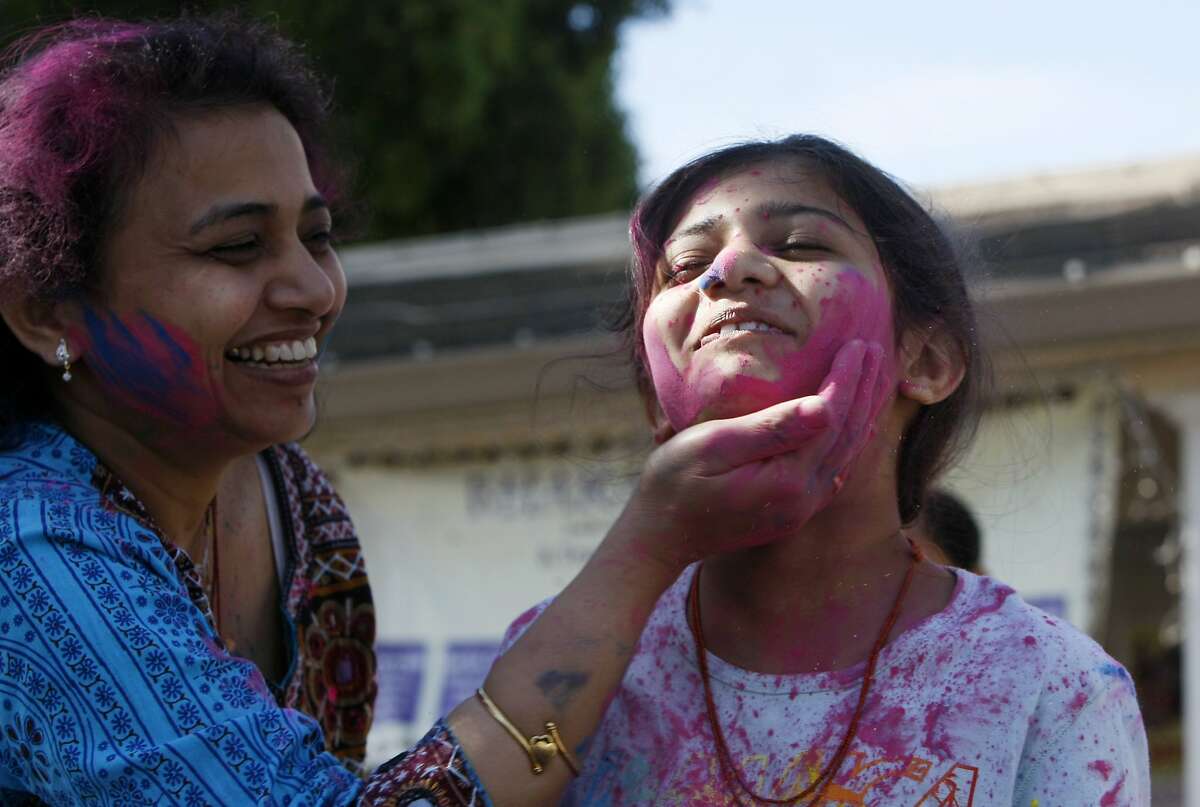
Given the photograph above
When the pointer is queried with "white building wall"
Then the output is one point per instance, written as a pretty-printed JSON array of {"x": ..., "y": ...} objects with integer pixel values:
[
  {"x": 1184, "y": 408},
  {"x": 455, "y": 554}
]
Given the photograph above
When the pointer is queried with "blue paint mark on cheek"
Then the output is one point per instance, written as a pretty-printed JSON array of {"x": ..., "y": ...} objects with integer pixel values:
[
  {"x": 119, "y": 359},
  {"x": 143, "y": 362}
]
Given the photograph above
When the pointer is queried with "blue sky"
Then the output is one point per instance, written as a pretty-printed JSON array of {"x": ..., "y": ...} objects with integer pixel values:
[{"x": 934, "y": 92}]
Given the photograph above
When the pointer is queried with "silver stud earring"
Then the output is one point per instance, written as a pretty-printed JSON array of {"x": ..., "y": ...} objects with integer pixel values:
[{"x": 63, "y": 354}]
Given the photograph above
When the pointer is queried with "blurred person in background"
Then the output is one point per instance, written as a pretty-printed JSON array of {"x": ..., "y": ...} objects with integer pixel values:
[
  {"x": 948, "y": 531},
  {"x": 184, "y": 612}
]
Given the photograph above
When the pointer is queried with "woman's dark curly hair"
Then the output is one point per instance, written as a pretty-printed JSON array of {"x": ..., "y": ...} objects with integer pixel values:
[
  {"x": 83, "y": 105},
  {"x": 923, "y": 266}
]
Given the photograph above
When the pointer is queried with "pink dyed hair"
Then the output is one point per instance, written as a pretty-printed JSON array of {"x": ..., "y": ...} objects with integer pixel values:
[{"x": 82, "y": 106}]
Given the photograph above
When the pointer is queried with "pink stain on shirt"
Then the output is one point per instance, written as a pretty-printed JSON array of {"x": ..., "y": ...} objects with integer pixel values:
[
  {"x": 1109, "y": 799},
  {"x": 935, "y": 732}
]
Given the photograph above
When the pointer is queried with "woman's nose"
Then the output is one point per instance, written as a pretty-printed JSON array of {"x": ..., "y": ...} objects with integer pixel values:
[
  {"x": 736, "y": 267},
  {"x": 304, "y": 283}
]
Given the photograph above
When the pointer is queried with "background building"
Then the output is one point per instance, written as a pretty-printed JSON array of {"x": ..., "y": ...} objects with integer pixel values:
[{"x": 479, "y": 420}]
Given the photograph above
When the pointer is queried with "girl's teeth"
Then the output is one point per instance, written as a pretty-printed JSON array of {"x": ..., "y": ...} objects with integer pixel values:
[
  {"x": 735, "y": 327},
  {"x": 310, "y": 348},
  {"x": 257, "y": 354},
  {"x": 272, "y": 352},
  {"x": 285, "y": 352}
]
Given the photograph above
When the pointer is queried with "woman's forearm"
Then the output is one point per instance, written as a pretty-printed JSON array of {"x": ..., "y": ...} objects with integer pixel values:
[
  {"x": 758, "y": 467},
  {"x": 564, "y": 669}
]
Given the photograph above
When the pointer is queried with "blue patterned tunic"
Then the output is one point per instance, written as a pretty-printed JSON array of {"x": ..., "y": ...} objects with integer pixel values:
[{"x": 116, "y": 690}]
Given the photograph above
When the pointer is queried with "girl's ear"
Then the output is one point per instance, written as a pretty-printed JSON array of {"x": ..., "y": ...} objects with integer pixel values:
[{"x": 932, "y": 364}]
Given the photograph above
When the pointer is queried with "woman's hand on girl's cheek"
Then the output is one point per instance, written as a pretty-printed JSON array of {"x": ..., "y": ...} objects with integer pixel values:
[{"x": 729, "y": 484}]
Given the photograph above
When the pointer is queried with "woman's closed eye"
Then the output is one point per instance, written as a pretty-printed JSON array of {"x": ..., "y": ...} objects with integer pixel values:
[
  {"x": 320, "y": 242},
  {"x": 238, "y": 251}
]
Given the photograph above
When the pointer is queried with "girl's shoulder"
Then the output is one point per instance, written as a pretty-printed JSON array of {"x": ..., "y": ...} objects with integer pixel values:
[
  {"x": 1042, "y": 649},
  {"x": 990, "y": 608}
]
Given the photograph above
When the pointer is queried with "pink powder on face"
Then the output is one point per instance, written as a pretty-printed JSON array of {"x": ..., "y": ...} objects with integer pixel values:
[
  {"x": 705, "y": 192},
  {"x": 700, "y": 383},
  {"x": 719, "y": 271}
]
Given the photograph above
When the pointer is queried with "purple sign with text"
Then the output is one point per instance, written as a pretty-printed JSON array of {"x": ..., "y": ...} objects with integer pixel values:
[
  {"x": 1054, "y": 606},
  {"x": 401, "y": 672},
  {"x": 467, "y": 664}
]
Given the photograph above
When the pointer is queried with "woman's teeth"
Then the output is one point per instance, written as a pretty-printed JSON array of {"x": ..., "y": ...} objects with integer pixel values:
[{"x": 276, "y": 353}]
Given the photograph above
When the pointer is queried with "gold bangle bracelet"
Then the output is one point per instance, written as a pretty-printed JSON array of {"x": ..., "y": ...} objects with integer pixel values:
[{"x": 540, "y": 748}]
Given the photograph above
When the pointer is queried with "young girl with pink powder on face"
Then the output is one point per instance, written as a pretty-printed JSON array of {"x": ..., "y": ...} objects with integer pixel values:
[{"x": 830, "y": 663}]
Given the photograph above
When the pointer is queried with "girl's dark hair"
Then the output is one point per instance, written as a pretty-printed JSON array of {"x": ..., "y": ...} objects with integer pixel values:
[
  {"x": 82, "y": 107},
  {"x": 922, "y": 263}
]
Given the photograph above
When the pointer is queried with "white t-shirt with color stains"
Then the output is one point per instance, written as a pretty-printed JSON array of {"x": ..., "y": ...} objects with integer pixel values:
[{"x": 989, "y": 702}]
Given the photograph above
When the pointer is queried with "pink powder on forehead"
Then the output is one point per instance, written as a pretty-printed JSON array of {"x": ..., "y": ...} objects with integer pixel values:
[
  {"x": 856, "y": 309},
  {"x": 706, "y": 191}
]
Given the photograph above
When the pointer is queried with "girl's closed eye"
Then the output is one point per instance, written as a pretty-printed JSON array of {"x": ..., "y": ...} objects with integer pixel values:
[
  {"x": 795, "y": 245},
  {"x": 686, "y": 268}
]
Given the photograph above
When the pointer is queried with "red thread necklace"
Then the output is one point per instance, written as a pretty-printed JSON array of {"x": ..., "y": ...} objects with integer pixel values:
[{"x": 816, "y": 788}]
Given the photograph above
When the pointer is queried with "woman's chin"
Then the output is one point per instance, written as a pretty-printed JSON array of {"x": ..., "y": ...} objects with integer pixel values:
[{"x": 268, "y": 429}]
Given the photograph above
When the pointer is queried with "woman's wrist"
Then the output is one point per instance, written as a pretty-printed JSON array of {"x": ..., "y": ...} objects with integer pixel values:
[{"x": 637, "y": 550}]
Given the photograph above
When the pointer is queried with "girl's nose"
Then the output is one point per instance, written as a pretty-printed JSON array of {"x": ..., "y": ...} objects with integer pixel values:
[{"x": 736, "y": 267}]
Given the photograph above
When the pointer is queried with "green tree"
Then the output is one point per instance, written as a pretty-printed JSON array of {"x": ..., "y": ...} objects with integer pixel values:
[{"x": 455, "y": 113}]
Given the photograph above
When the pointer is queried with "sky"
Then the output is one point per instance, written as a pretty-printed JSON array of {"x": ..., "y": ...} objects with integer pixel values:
[{"x": 937, "y": 93}]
